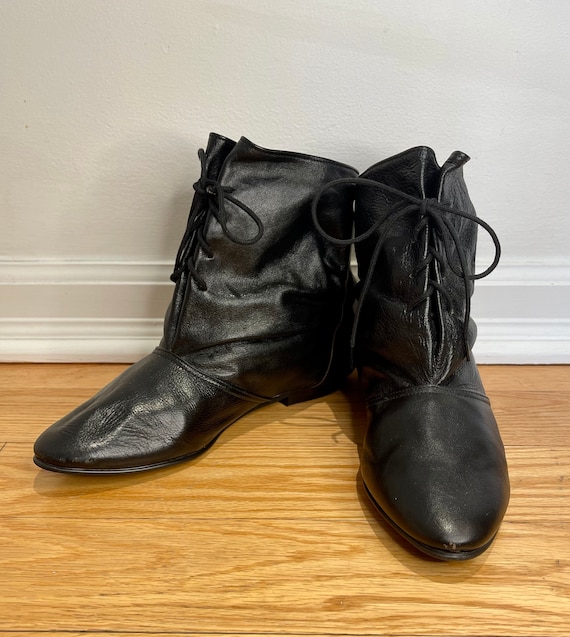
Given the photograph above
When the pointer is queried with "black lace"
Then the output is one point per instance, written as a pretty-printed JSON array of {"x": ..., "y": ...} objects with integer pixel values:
[
  {"x": 429, "y": 210},
  {"x": 213, "y": 197}
]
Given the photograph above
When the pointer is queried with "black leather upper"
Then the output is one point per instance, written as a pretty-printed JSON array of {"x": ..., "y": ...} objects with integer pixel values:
[
  {"x": 432, "y": 460},
  {"x": 260, "y": 312},
  {"x": 421, "y": 342},
  {"x": 260, "y": 323}
]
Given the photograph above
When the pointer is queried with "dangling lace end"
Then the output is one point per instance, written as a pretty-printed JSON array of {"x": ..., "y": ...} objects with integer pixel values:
[
  {"x": 466, "y": 339},
  {"x": 353, "y": 336}
]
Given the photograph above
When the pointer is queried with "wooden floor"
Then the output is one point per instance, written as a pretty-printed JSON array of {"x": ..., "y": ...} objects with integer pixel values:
[{"x": 270, "y": 533}]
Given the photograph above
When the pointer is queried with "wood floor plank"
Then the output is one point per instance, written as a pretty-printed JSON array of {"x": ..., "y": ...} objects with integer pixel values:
[
  {"x": 57, "y": 375},
  {"x": 526, "y": 377},
  {"x": 274, "y": 575},
  {"x": 98, "y": 633},
  {"x": 313, "y": 482},
  {"x": 270, "y": 532}
]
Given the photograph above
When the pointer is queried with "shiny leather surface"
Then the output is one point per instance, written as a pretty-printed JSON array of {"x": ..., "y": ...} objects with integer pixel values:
[
  {"x": 432, "y": 461},
  {"x": 261, "y": 320},
  {"x": 269, "y": 326}
]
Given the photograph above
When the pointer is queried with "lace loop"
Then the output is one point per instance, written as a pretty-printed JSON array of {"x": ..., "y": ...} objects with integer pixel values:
[
  {"x": 427, "y": 209},
  {"x": 211, "y": 204}
]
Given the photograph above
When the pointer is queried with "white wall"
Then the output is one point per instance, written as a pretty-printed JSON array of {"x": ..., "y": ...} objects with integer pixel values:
[{"x": 104, "y": 103}]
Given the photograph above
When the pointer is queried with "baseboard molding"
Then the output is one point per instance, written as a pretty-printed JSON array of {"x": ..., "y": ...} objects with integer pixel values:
[
  {"x": 523, "y": 341},
  {"x": 77, "y": 340},
  {"x": 112, "y": 311}
]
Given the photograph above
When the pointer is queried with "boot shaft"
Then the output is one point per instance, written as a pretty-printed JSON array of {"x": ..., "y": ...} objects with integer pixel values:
[
  {"x": 255, "y": 280},
  {"x": 414, "y": 323}
]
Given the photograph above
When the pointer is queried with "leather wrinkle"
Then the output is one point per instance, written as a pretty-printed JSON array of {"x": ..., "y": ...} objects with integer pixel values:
[
  {"x": 299, "y": 243},
  {"x": 428, "y": 209},
  {"x": 253, "y": 339},
  {"x": 212, "y": 197}
]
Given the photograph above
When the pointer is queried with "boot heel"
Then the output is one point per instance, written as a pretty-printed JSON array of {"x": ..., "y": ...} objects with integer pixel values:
[{"x": 312, "y": 393}]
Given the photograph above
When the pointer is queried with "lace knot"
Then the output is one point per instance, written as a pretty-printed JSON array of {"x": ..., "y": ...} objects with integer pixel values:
[{"x": 423, "y": 207}]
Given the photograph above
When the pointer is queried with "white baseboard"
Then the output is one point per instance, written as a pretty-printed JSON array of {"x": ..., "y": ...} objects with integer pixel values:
[
  {"x": 523, "y": 341},
  {"x": 78, "y": 339},
  {"x": 112, "y": 311}
]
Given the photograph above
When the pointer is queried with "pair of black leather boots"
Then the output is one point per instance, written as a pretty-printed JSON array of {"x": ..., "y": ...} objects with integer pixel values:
[{"x": 264, "y": 311}]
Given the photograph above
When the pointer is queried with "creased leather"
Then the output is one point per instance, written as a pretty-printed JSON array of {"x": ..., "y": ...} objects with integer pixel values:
[
  {"x": 432, "y": 460},
  {"x": 156, "y": 411},
  {"x": 270, "y": 324}
]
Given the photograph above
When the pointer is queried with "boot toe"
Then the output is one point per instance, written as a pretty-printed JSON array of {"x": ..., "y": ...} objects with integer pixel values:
[
  {"x": 434, "y": 465},
  {"x": 452, "y": 526},
  {"x": 154, "y": 414},
  {"x": 96, "y": 441}
]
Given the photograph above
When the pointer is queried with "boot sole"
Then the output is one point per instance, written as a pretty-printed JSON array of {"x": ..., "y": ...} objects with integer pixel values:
[
  {"x": 291, "y": 398},
  {"x": 440, "y": 554}
]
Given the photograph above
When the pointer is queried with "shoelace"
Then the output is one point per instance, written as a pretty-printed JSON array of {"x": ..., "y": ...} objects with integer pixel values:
[
  {"x": 213, "y": 196},
  {"x": 428, "y": 209}
]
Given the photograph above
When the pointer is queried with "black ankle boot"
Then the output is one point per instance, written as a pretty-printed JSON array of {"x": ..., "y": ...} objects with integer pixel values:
[
  {"x": 260, "y": 314},
  {"x": 432, "y": 461}
]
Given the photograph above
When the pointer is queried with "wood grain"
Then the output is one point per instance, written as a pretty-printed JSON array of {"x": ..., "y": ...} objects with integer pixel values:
[{"x": 269, "y": 533}]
